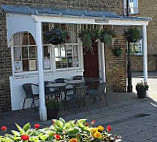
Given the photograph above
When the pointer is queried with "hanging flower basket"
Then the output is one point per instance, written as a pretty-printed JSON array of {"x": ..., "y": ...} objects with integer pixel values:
[
  {"x": 117, "y": 51},
  {"x": 89, "y": 36},
  {"x": 56, "y": 36},
  {"x": 132, "y": 35},
  {"x": 107, "y": 36}
]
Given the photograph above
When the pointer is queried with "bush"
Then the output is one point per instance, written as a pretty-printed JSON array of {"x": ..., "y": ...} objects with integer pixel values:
[{"x": 61, "y": 131}]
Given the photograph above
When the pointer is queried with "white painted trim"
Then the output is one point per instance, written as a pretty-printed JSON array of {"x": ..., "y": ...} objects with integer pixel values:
[
  {"x": 145, "y": 58},
  {"x": 42, "y": 108},
  {"x": 88, "y": 20}
]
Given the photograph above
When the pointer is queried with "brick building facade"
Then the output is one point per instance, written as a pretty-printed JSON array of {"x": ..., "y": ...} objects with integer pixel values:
[
  {"x": 115, "y": 66},
  {"x": 148, "y": 9}
]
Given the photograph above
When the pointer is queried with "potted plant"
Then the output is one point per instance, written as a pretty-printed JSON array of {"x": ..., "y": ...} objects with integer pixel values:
[
  {"x": 141, "y": 88},
  {"x": 56, "y": 36},
  {"x": 117, "y": 51},
  {"x": 53, "y": 107}
]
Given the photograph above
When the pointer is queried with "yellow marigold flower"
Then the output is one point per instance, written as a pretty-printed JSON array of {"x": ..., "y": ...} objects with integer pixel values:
[
  {"x": 100, "y": 128},
  {"x": 73, "y": 140},
  {"x": 97, "y": 135},
  {"x": 94, "y": 130}
]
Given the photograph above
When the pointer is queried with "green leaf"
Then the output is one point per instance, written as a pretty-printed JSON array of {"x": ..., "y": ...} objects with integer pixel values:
[
  {"x": 19, "y": 128},
  {"x": 26, "y": 127},
  {"x": 16, "y": 133},
  {"x": 72, "y": 131},
  {"x": 44, "y": 137}
]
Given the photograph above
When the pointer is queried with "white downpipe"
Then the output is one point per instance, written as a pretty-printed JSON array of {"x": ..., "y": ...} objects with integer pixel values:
[
  {"x": 42, "y": 108},
  {"x": 145, "y": 59}
]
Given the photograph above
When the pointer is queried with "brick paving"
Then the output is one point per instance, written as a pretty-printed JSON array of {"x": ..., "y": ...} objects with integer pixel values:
[{"x": 132, "y": 118}]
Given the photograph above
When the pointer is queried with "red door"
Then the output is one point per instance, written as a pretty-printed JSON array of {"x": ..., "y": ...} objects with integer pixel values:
[{"x": 91, "y": 66}]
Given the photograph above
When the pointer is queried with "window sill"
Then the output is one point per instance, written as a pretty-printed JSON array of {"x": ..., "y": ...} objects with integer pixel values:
[{"x": 35, "y": 73}]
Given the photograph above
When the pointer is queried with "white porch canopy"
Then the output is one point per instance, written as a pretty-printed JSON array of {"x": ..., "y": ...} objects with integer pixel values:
[{"x": 20, "y": 19}]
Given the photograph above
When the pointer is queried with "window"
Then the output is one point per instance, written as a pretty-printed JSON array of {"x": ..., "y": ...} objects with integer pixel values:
[
  {"x": 136, "y": 48},
  {"x": 66, "y": 56},
  {"x": 25, "y": 53},
  {"x": 133, "y": 6},
  {"x": 24, "y": 49}
]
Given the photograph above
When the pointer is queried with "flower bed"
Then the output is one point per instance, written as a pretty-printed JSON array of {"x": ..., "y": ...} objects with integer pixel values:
[{"x": 61, "y": 131}]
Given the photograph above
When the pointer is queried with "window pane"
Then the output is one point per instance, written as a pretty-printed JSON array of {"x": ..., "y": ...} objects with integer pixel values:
[
  {"x": 31, "y": 40},
  {"x": 47, "y": 63},
  {"x": 25, "y": 65},
  {"x": 25, "y": 52},
  {"x": 17, "y": 53},
  {"x": 32, "y": 52},
  {"x": 25, "y": 38},
  {"x": 67, "y": 56},
  {"x": 136, "y": 47}
]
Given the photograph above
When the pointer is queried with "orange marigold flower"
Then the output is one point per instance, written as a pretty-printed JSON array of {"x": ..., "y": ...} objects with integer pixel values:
[{"x": 73, "y": 140}]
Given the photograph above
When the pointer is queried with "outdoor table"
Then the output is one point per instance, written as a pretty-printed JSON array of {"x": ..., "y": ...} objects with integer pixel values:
[
  {"x": 92, "y": 82},
  {"x": 58, "y": 88},
  {"x": 75, "y": 83}
]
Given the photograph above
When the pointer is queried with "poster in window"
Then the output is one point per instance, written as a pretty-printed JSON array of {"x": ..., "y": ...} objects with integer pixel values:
[
  {"x": 18, "y": 66},
  {"x": 47, "y": 63},
  {"x": 32, "y": 65}
]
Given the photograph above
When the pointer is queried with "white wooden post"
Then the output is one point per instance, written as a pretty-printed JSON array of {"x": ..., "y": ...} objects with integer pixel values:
[
  {"x": 42, "y": 108},
  {"x": 145, "y": 60},
  {"x": 103, "y": 63}
]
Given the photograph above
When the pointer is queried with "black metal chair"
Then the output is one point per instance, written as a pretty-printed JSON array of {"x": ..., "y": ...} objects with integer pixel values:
[
  {"x": 61, "y": 80},
  {"x": 48, "y": 92},
  {"x": 78, "y": 77},
  {"x": 29, "y": 94},
  {"x": 78, "y": 97},
  {"x": 100, "y": 91}
]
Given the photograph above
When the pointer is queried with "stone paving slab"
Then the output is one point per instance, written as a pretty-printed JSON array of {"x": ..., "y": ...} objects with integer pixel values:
[{"x": 125, "y": 113}]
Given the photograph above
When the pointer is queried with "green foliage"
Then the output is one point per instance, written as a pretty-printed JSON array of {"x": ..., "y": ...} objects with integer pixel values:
[
  {"x": 142, "y": 86},
  {"x": 61, "y": 131},
  {"x": 132, "y": 35},
  {"x": 117, "y": 51},
  {"x": 53, "y": 104},
  {"x": 89, "y": 36},
  {"x": 107, "y": 36}
]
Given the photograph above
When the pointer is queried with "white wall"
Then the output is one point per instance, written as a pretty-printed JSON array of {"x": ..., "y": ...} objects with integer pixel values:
[{"x": 17, "y": 93}]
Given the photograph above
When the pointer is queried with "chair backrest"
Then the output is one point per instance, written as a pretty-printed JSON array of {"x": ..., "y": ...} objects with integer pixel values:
[
  {"x": 47, "y": 89},
  {"x": 28, "y": 90},
  {"x": 78, "y": 77},
  {"x": 80, "y": 92},
  {"x": 101, "y": 88},
  {"x": 60, "y": 80}
]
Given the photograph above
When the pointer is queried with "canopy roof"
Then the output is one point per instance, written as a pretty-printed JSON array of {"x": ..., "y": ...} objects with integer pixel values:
[{"x": 48, "y": 11}]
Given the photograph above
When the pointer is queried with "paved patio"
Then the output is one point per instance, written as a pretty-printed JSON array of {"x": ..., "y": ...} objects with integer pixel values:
[{"x": 132, "y": 118}]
